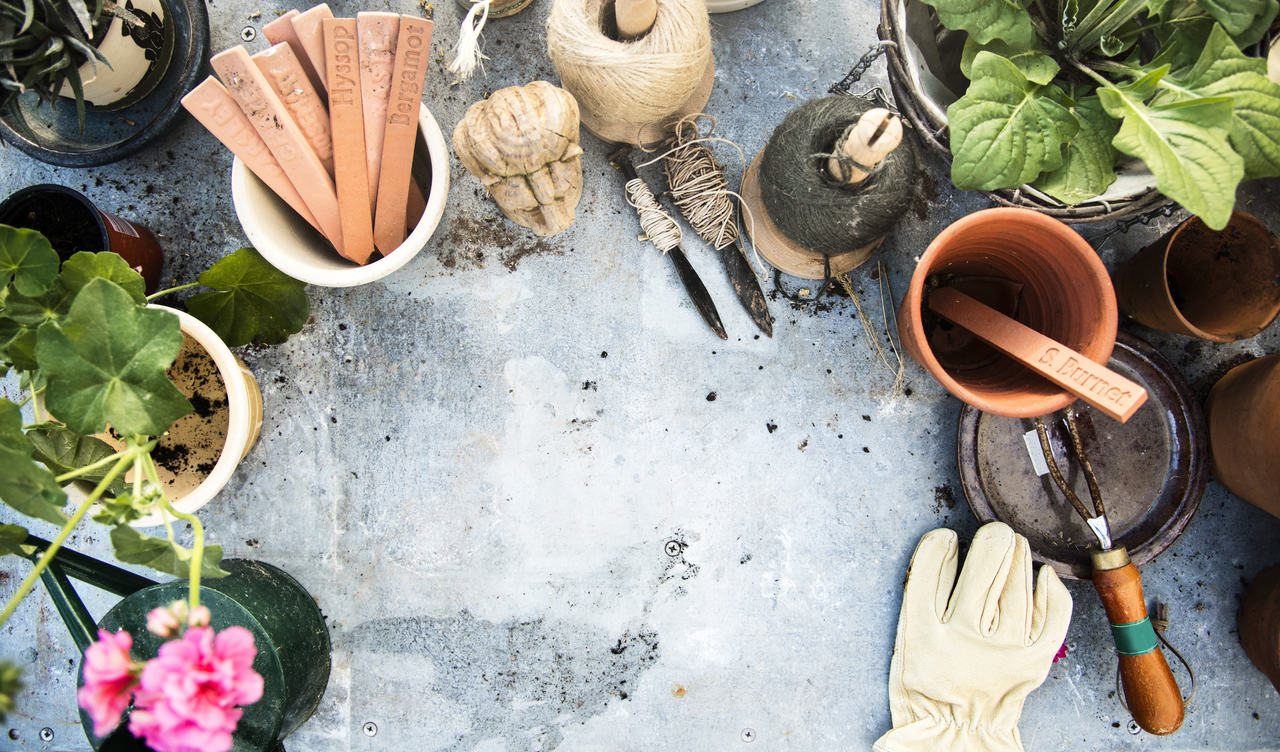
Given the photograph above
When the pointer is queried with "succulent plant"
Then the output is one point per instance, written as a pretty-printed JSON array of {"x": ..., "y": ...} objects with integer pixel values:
[{"x": 43, "y": 43}]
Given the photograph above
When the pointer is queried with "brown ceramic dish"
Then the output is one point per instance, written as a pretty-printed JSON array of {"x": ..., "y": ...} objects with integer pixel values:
[{"x": 1151, "y": 470}]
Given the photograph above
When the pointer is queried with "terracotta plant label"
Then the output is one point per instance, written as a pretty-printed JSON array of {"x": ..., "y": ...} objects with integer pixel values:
[
  {"x": 281, "y": 30},
  {"x": 347, "y": 112},
  {"x": 283, "y": 137},
  {"x": 307, "y": 26},
  {"x": 377, "y": 34},
  {"x": 412, "y": 53},
  {"x": 285, "y": 74},
  {"x": 1104, "y": 389},
  {"x": 214, "y": 108}
]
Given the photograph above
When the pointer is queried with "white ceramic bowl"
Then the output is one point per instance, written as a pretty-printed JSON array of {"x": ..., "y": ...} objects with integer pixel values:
[
  {"x": 244, "y": 402},
  {"x": 291, "y": 245}
]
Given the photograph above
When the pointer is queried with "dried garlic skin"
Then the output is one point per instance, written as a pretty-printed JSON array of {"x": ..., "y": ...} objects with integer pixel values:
[{"x": 522, "y": 143}]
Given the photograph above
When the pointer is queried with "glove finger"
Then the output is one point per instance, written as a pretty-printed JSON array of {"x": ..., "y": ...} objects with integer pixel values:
[
  {"x": 1014, "y": 626},
  {"x": 1052, "y": 614},
  {"x": 975, "y": 603},
  {"x": 930, "y": 576}
]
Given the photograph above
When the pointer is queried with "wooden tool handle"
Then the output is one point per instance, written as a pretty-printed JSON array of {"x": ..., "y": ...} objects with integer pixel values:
[
  {"x": 1104, "y": 389},
  {"x": 1149, "y": 687},
  {"x": 635, "y": 17},
  {"x": 867, "y": 142}
]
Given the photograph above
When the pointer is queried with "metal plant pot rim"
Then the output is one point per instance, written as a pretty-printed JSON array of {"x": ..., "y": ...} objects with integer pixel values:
[{"x": 931, "y": 127}]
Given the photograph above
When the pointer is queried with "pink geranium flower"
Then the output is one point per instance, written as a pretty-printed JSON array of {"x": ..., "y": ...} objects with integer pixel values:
[
  {"x": 108, "y": 678},
  {"x": 187, "y": 697}
]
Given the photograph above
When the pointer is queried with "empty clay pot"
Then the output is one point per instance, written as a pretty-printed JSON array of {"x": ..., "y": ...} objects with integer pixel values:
[
  {"x": 1216, "y": 285},
  {"x": 1028, "y": 266},
  {"x": 1259, "y": 623},
  {"x": 1244, "y": 430}
]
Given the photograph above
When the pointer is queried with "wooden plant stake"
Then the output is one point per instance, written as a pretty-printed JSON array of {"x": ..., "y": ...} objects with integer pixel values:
[
  {"x": 347, "y": 114},
  {"x": 413, "y": 47}
]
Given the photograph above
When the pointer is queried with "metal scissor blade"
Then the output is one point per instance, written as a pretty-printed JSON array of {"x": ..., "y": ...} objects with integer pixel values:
[
  {"x": 697, "y": 291},
  {"x": 747, "y": 286}
]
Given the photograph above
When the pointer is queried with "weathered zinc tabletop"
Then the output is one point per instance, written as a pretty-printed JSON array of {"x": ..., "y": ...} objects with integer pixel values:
[{"x": 543, "y": 507}]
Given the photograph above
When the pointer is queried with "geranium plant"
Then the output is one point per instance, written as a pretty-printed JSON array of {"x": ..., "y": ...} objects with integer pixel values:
[
  {"x": 1057, "y": 87},
  {"x": 80, "y": 335}
]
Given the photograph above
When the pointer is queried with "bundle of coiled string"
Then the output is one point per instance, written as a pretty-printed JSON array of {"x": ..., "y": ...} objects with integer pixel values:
[{"x": 698, "y": 186}]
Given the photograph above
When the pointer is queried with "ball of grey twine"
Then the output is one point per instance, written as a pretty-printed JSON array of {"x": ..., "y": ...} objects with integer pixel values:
[{"x": 808, "y": 205}]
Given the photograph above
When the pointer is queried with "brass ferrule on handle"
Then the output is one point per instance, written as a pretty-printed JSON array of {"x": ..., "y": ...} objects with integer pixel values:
[{"x": 1149, "y": 687}]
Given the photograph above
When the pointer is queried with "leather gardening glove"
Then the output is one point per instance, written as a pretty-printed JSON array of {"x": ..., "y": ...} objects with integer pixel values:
[{"x": 964, "y": 662}]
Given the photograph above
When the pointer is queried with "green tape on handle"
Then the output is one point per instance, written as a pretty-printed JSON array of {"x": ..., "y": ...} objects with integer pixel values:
[{"x": 1135, "y": 638}]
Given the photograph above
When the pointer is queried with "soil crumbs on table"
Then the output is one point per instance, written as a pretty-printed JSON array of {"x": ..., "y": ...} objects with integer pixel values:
[
  {"x": 186, "y": 455},
  {"x": 469, "y": 239}
]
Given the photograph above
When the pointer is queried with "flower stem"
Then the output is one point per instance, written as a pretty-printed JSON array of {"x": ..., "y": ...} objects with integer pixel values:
[
  {"x": 155, "y": 295},
  {"x": 197, "y": 530},
  {"x": 79, "y": 471},
  {"x": 124, "y": 460}
]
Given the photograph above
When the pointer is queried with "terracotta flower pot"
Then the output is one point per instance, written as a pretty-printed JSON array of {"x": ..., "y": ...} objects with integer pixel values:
[
  {"x": 1259, "y": 623},
  {"x": 1244, "y": 426},
  {"x": 1028, "y": 266},
  {"x": 1219, "y": 286},
  {"x": 73, "y": 223}
]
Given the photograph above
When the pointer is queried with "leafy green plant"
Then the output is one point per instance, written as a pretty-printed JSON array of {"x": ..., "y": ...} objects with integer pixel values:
[
  {"x": 43, "y": 44},
  {"x": 80, "y": 334},
  {"x": 1058, "y": 87}
]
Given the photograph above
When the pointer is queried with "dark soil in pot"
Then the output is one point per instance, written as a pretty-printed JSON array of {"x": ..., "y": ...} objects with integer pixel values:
[{"x": 186, "y": 455}]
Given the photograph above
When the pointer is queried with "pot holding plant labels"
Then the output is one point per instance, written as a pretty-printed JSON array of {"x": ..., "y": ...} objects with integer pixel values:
[
  {"x": 74, "y": 223},
  {"x": 1052, "y": 300}
]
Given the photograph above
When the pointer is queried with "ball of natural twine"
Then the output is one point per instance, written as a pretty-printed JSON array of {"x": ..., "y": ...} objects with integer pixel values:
[
  {"x": 808, "y": 205},
  {"x": 629, "y": 84}
]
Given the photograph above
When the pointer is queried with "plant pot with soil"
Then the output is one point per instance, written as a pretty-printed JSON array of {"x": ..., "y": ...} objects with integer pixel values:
[
  {"x": 87, "y": 82},
  {"x": 1084, "y": 112},
  {"x": 94, "y": 358},
  {"x": 73, "y": 223}
]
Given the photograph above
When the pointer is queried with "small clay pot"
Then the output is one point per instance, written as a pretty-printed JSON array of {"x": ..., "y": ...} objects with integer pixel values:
[
  {"x": 73, "y": 223},
  {"x": 1216, "y": 285},
  {"x": 1259, "y": 623},
  {"x": 1028, "y": 266},
  {"x": 1243, "y": 410}
]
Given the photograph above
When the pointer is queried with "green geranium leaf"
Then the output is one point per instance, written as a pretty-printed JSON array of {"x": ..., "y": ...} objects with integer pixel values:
[
  {"x": 1089, "y": 165},
  {"x": 62, "y": 451},
  {"x": 106, "y": 363},
  {"x": 11, "y": 539},
  {"x": 133, "y": 547},
  {"x": 24, "y": 485},
  {"x": 26, "y": 259},
  {"x": 21, "y": 350},
  {"x": 1185, "y": 146},
  {"x": 985, "y": 20},
  {"x": 1006, "y": 130},
  {"x": 1222, "y": 70},
  {"x": 254, "y": 302},
  {"x": 1034, "y": 63},
  {"x": 84, "y": 266}
]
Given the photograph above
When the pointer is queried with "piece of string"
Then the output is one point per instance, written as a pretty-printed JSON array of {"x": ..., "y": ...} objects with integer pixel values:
[
  {"x": 869, "y": 331},
  {"x": 659, "y": 227},
  {"x": 467, "y": 55}
]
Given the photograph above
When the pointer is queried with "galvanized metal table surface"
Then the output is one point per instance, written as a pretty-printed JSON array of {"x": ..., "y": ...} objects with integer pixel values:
[{"x": 543, "y": 507}]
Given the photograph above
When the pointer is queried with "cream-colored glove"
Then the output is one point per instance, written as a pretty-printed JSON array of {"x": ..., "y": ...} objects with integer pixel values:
[{"x": 964, "y": 662}]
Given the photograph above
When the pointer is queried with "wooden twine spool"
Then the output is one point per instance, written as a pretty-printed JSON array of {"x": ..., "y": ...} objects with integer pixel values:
[
  {"x": 632, "y": 85},
  {"x": 817, "y": 210}
]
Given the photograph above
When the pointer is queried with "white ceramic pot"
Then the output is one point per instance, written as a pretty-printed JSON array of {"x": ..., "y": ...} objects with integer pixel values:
[
  {"x": 132, "y": 57},
  {"x": 291, "y": 245},
  {"x": 244, "y": 401}
]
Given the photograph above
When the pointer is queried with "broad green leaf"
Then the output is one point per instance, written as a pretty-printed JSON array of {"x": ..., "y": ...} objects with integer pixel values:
[
  {"x": 985, "y": 20},
  {"x": 133, "y": 547},
  {"x": 1034, "y": 63},
  {"x": 1245, "y": 20},
  {"x": 11, "y": 538},
  {"x": 62, "y": 451},
  {"x": 106, "y": 363},
  {"x": 1222, "y": 70},
  {"x": 24, "y": 485},
  {"x": 26, "y": 259},
  {"x": 1006, "y": 130},
  {"x": 254, "y": 302},
  {"x": 21, "y": 350},
  {"x": 1185, "y": 146},
  {"x": 1089, "y": 165},
  {"x": 84, "y": 266},
  {"x": 34, "y": 311}
]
